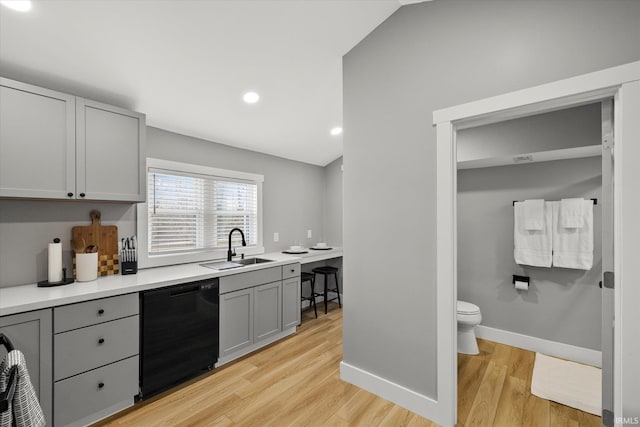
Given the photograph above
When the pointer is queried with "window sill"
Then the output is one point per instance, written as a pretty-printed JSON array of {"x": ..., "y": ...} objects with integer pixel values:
[{"x": 146, "y": 261}]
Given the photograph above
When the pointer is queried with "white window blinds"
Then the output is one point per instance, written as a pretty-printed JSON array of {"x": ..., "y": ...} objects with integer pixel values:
[{"x": 190, "y": 212}]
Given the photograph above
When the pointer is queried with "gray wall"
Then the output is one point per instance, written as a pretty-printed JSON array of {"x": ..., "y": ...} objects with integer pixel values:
[
  {"x": 333, "y": 203},
  {"x": 562, "y": 305},
  {"x": 293, "y": 192},
  {"x": 293, "y": 202},
  {"x": 27, "y": 226},
  {"x": 425, "y": 57}
]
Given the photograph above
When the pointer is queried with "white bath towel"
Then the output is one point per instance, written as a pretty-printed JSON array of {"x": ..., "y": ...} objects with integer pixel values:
[
  {"x": 532, "y": 247},
  {"x": 573, "y": 247},
  {"x": 572, "y": 213},
  {"x": 534, "y": 214}
]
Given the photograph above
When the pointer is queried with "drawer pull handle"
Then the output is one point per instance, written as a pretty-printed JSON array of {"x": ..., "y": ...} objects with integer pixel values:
[
  {"x": 100, "y": 385},
  {"x": 100, "y": 312},
  {"x": 69, "y": 194},
  {"x": 101, "y": 341},
  {"x": 293, "y": 270}
]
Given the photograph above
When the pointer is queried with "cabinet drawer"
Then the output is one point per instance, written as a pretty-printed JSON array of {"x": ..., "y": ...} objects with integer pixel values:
[
  {"x": 88, "y": 348},
  {"x": 291, "y": 270},
  {"x": 93, "y": 312},
  {"x": 239, "y": 281},
  {"x": 83, "y": 395}
]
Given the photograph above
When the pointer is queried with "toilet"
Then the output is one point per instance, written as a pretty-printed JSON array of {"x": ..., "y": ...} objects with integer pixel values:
[{"x": 468, "y": 316}]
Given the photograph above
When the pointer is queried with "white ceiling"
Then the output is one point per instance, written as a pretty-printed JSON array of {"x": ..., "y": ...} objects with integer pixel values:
[{"x": 186, "y": 64}]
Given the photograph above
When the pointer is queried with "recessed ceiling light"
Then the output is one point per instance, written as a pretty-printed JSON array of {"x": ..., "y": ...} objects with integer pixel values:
[
  {"x": 251, "y": 97},
  {"x": 19, "y": 5},
  {"x": 336, "y": 131}
]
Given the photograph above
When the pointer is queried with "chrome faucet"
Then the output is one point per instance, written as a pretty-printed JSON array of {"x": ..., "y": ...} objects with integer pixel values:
[{"x": 230, "y": 253}]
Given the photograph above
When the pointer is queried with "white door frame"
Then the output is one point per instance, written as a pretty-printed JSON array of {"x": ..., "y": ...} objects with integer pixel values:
[{"x": 623, "y": 84}]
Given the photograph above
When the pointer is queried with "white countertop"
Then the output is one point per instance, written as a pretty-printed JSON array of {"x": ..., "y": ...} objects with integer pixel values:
[{"x": 19, "y": 299}]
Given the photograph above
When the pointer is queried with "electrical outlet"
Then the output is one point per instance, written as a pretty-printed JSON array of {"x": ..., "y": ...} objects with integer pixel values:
[
  {"x": 276, "y": 237},
  {"x": 309, "y": 234}
]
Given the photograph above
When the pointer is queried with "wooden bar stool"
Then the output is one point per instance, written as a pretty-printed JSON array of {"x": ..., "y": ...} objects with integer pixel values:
[
  {"x": 309, "y": 277},
  {"x": 327, "y": 271}
]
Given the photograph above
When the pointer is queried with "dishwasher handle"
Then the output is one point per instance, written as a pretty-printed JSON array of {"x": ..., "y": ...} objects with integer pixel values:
[{"x": 185, "y": 291}]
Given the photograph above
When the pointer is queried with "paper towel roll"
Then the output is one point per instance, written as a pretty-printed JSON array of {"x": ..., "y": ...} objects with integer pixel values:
[
  {"x": 523, "y": 286},
  {"x": 55, "y": 262}
]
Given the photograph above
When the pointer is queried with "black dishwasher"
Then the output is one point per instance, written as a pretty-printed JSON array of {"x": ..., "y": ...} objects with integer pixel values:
[{"x": 179, "y": 329}]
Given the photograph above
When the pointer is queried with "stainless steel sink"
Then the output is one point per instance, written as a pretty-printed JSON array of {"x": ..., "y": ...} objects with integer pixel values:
[
  {"x": 251, "y": 261},
  {"x": 226, "y": 265}
]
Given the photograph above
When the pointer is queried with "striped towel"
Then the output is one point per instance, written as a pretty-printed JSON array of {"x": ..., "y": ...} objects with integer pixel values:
[{"x": 26, "y": 409}]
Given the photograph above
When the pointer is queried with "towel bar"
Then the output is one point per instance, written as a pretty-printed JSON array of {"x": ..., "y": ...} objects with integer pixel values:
[{"x": 595, "y": 202}]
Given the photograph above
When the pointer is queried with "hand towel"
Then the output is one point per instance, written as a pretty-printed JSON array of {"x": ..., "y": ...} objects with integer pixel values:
[
  {"x": 572, "y": 213},
  {"x": 26, "y": 409},
  {"x": 534, "y": 214},
  {"x": 573, "y": 247},
  {"x": 532, "y": 247}
]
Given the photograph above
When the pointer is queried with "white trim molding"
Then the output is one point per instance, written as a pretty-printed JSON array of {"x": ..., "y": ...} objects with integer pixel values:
[
  {"x": 622, "y": 83},
  {"x": 402, "y": 396},
  {"x": 572, "y": 91},
  {"x": 540, "y": 345}
]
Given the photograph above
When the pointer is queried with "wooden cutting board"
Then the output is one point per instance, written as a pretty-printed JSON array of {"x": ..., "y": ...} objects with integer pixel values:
[{"x": 105, "y": 237}]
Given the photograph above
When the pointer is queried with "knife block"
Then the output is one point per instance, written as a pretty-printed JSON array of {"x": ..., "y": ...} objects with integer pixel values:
[{"x": 129, "y": 267}]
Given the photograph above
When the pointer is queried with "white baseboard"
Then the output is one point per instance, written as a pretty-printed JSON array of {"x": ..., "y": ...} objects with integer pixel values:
[
  {"x": 402, "y": 396},
  {"x": 551, "y": 348}
]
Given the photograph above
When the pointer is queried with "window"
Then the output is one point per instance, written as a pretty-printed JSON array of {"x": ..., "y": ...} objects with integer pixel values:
[{"x": 191, "y": 209}]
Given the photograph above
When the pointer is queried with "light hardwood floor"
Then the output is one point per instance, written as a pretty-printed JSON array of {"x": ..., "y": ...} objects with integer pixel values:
[
  {"x": 296, "y": 382},
  {"x": 494, "y": 389}
]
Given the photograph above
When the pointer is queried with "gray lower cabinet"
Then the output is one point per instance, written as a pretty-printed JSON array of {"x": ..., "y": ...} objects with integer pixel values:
[
  {"x": 291, "y": 302},
  {"x": 98, "y": 393},
  {"x": 31, "y": 333},
  {"x": 267, "y": 310},
  {"x": 96, "y": 369},
  {"x": 256, "y": 307},
  {"x": 57, "y": 146},
  {"x": 236, "y": 321},
  {"x": 248, "y": 316},
  {"x": 290, "y": 295}
]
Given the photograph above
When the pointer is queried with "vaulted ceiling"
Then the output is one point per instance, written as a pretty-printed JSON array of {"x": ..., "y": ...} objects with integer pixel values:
[{"x": 187, "y": 64}]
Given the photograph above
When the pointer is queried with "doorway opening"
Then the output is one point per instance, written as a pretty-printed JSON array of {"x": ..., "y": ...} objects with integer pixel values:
[
  {"x": 622, "y": 84},
  {"x": 552, "y": 155}
]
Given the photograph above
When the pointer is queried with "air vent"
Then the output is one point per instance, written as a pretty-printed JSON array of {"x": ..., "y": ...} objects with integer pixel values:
[{"x": 523, "y": 159}]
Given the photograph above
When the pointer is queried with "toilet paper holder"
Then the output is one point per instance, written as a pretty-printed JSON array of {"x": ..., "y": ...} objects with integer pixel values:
[{"x": 522, "y": 279}]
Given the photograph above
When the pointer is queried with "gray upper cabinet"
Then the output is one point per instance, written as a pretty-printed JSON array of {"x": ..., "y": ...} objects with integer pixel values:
[
  {"x": 37, "y": 142},
  {"x": 57, "y": 146},
  {"x": 31, "y": 333},
  {"x": 111, "y": 152}
]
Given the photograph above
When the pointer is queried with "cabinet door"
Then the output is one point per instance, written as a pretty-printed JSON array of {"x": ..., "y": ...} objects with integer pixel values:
[
  {"x": 37, "y": 142},
  {"x": 267, "y": 320},
  {"x": 290, "y": 302},
  {"x": 31, "y": 333},
  {"x": 110, "y": 143},
  {"x": 236, "y": 321}
]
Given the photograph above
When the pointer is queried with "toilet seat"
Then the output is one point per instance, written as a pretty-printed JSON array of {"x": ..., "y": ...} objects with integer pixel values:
[{"x": 465, "y": 308}]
